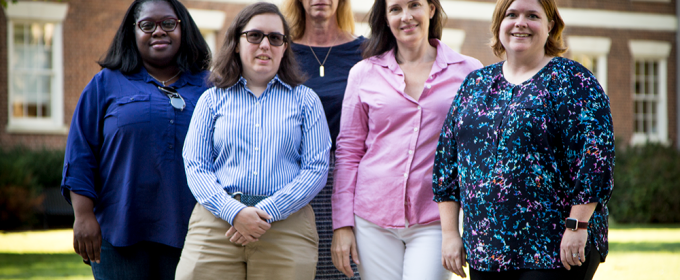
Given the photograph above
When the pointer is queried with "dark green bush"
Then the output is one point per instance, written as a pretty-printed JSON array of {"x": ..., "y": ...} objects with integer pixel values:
[
  {"x": 646, "y": 185},
  {"x": 23, "y": 175}
]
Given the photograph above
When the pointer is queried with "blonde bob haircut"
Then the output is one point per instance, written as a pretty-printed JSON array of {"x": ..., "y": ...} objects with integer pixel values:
[
  {"x": 295, "y": 14},
  {"x": 555, "y": 44}
]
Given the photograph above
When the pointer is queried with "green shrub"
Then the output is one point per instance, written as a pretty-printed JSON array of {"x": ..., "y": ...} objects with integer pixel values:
[
  {"x": 24, "y": 173},
  {"x": 646, "y": 185}
]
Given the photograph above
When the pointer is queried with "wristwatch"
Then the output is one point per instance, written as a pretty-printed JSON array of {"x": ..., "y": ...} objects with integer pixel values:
[{"x": 574, "y": 224}]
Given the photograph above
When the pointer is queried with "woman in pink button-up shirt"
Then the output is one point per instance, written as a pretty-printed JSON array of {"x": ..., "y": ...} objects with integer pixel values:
[{"x": 394, "y": 107}]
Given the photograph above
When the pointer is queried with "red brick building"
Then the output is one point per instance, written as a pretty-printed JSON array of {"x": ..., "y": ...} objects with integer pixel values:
[{"x": 49, "y": 49}]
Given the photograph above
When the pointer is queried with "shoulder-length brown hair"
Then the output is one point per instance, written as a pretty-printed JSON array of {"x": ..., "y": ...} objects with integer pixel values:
[
  {"x": 295, "y": 13},
  {"x": 227, "y": 67},
  {"x": 555, "y": 44},
  {"x": 382, "y": 39}
]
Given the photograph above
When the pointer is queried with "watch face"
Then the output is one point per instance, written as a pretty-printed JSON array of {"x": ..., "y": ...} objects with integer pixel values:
[{"x": 572, "y": 224}]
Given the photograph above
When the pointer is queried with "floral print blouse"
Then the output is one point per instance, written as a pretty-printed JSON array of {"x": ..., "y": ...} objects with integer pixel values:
[{"x": 517, "y": 157}]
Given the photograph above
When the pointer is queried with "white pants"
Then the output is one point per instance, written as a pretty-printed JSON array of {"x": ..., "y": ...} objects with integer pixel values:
[{"x": 413, "y": 253}]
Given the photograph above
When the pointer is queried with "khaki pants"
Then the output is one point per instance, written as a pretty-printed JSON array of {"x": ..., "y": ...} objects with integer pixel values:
[{"x": 288, "y": 250}]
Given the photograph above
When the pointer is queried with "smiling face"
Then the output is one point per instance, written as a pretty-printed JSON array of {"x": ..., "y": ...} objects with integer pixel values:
[
  {"x": 525, "y": 28},
  {"x": 320, "y": 9},
  {"x": 409, "y": 20},
  {"x": 159, "y": 48},
  {"x": 261, "y": 61}
]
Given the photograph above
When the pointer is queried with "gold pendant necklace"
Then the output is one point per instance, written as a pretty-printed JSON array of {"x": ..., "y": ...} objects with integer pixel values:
[{"x": 321, "y": 64}]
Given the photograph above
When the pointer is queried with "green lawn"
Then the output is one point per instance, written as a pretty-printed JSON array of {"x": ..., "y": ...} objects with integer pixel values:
[{"x": 636, "y": 252}]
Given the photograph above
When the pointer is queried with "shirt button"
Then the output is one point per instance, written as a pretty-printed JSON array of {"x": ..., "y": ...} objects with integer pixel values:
[
  {"x": 429, "y": 86},
  {"x": 419, "y": 108},
  {"x": 170, "y": 146},
  {"x": 257, "y": 148},
  {"x": 415, "y": 129},
  {"x": 132, "y": 98},
  {"x": 172, "y": 121},
  {"x": 410, "y": 152},
  {"x": 254, "y": 172},
  {"x": 257, "y": 125},
  {"x": 405, "y": 174}
]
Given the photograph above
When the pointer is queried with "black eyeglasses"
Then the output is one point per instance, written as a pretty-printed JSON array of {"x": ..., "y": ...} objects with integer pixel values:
[
  {"x": 176, "y": 100},
  {"x": 256, "y": 36},
  {"x": 149, "y": 26}
]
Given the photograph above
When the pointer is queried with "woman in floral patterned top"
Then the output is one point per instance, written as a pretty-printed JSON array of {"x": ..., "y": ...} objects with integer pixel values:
[{"x": 527, "y": 147}]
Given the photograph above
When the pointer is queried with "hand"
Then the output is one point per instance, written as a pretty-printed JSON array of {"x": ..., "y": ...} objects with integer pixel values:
[
  {"x": 453, "y": 254},
  {"x": 342, "y": 246},
  {"x": 236, "y": 237},
  {"x": 251, "y": 223},
  {"x": 87, "y": 237},
  {"x": 573, "y": 242}
]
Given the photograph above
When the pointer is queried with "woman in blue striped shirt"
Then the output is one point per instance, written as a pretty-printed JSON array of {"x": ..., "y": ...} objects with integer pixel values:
[{"x": 255, "y": 155}]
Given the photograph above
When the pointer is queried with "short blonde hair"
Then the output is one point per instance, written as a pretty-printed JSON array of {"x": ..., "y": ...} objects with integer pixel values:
[
  {"x": 555, "y": 44},
  {"x": 295, "y": 14}
]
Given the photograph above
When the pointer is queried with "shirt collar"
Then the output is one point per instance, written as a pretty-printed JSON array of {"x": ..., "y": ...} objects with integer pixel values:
[
  {"x": 445, "y": 57},
  {"x": 243, "y": 82}
]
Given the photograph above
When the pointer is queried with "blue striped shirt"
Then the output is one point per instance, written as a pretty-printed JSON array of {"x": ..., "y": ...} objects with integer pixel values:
[{"x": 275, "y": 145}]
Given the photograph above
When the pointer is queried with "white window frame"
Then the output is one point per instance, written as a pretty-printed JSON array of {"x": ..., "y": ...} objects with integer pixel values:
[
  {"x": 40, "y": 12},
  {"x": 596, "y": 47},
  {"x": 658, "y": 51},
  {"x": 209, "y": 22}
]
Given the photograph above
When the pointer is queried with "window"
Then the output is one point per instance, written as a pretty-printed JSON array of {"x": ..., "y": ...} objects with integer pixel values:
[
  {"x": 592, "y": 53},
  {"x": 35, "y": 67},
  {"x": 649, "y": 84},
  {"x": 209, "y": 23}
]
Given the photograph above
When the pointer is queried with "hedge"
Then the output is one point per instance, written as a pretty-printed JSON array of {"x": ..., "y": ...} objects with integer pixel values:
[
  {"x": 24, "y": 174},
  {"x": 646, "y": 185}
]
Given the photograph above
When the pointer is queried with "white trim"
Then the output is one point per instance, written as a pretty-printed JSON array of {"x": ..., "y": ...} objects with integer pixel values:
[
  {"x": 208, "y": 19},
  {"x": 453, "y": 38},
  {"x": 649, "y": 49},
  {"x": 37, "y": 11},
  {"x": 659, "y": 1},
  {"x": 595, "y": 46},
  {"x": 483, "y": 11},
  {"x": 44, "y": 12}
]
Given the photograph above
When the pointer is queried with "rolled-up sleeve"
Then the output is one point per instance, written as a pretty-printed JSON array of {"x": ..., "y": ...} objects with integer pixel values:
[
  {"x": 199, "y": 163},
  {"x": 84, "y": 142},
  {"x": 586, "y": 123}
]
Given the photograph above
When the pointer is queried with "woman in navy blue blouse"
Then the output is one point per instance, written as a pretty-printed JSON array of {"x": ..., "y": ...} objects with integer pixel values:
[
  {"x": 123, "y": 169},
  {"x": 527, "y": 150}
]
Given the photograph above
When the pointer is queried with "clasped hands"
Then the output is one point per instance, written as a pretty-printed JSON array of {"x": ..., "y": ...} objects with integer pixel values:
[{"x": 249, "y": 224}]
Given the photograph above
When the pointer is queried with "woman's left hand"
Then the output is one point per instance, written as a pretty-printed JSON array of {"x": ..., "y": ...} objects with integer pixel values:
[{"x": 572, "y": 248}]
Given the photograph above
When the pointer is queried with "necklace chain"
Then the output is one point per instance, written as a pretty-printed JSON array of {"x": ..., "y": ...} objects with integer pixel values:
[
  {"x": 163, "y": 82},
  {"x": 321, "y": 64}
]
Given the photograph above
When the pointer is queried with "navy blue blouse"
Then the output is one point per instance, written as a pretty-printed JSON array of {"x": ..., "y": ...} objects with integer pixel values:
[
  {"x": 124, "y": 151},
  {"x": 517, "y": 157},
  {"x": 330, "y": 87}
]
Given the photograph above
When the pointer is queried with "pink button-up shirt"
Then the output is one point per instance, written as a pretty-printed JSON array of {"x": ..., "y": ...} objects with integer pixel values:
[{"x": 385, "y": 149}]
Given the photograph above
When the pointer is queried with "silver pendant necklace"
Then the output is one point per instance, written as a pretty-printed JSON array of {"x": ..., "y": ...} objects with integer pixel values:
[{"x": 163, "y": 82}]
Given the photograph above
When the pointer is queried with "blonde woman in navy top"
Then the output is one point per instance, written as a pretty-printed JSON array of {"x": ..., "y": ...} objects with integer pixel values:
[{"x": 256, "y": 154}]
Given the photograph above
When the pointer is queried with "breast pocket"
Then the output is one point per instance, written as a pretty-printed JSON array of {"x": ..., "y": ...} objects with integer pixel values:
[{"x": 133, "y": 109}]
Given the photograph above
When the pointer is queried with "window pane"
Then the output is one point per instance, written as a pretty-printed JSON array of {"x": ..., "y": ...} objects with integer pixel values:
[
  {"x": 49, "y": 35},
  {"x": 36, "y": 38}
]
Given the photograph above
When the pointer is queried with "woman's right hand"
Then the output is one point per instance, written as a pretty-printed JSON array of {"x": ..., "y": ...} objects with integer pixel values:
[
  {"x": 87, "y": 237},
  {"x": 343, "y": 245},
  {"x": 453, "y": 254},
  {"x": 251, "y": 223}
]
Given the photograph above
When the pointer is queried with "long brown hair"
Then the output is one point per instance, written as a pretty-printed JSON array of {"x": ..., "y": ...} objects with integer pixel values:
[
  {"x": 227, "y": 67},
  {"x": 295, "y": 13},
  {"x": 382, "y": 39},
  {"x": 555, "y": 44}
]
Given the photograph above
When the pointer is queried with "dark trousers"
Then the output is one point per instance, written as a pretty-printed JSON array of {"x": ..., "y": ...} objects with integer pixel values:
[
  {"x": 586, "y": 272},
  {"x": 144, "y": 260}
]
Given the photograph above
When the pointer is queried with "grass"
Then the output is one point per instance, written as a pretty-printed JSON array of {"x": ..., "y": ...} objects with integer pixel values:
[{"x": 635, "y": 252}]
